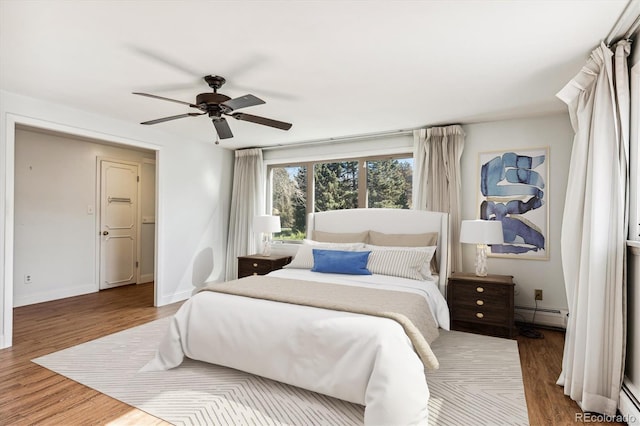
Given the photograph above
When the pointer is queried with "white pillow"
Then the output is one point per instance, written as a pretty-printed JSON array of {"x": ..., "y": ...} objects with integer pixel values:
[
  {"x": 304, "y": 257},
  {"x": 406, "y": 262}
]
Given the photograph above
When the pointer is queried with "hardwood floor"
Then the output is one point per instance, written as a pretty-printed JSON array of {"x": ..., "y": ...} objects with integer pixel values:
[
  {"x": 541, "y": 361},
  {"x": 30, "y": 394}
]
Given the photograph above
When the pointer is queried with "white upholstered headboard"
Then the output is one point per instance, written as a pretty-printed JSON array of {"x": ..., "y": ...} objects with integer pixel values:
[{"x": 389, "y": 221}]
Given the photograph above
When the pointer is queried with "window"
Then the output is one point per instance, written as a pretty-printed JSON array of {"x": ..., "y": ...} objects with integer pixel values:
[
  {"x": 336, "y": 185},
  {"x": 634, "y": 159},
  {"x": 389, "y": 183},
  {"x": 289, "y": 200}
]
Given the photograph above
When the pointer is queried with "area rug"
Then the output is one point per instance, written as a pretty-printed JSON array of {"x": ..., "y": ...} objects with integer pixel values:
[{"x": 479, "y": 382}]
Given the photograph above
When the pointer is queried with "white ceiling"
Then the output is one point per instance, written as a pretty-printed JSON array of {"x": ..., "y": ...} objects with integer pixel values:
[{"x": 332, "y": 68}]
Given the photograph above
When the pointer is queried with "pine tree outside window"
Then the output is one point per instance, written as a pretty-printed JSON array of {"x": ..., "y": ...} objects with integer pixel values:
[{"x": 368, "y": 182}]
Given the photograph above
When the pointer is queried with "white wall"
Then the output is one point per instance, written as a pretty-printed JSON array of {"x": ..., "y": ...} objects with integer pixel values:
[
  {"x": 194, "y": 187},
  {"x": 555, "y": 132},
  {"x": 55, "y": 235}
]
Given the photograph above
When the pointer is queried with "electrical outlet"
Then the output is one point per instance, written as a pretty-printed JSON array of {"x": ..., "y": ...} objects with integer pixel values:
[
  {"x": 28, "y": 279},
  {"x": 538, "y": 294}
]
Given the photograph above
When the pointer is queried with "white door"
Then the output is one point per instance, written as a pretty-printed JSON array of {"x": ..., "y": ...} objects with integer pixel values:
[{"x": 118, "y": 223}]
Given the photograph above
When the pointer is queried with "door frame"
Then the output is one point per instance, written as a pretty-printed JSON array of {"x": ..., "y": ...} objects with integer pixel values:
[
  {"x": 141, "y": 216},
  {"x": 98, "y": 210},
  {"x": 13, "y": 120}
]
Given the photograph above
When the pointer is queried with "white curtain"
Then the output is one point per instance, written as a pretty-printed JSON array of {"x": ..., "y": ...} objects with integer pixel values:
[
  {"x": 247, "y": 201},
  {"x": 436, "y": 178},
  {"x": 594, "y": 230}
]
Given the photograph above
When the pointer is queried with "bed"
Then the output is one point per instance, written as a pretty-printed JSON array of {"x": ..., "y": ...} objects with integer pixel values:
[{"x": 334, "y": 345}]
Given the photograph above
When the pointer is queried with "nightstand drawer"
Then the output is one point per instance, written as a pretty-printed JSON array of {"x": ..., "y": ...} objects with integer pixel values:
[
  {"x": 478, "y": 294},
  {"x": 254, "y": 267},
  {"x": 480, "y": 315},
  {"x": 260, "y": 265}
]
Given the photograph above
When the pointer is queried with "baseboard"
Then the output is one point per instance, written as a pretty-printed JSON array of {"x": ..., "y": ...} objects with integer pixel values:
[
  {"x": 629, "y": 406},
  {"x": 47, "y": 296},
  {"x": 175, "y": 297},
  {"x": 146, "y": 278},
  {"x": 555, "y": 318},
  {"x": 3, "y": 343}
]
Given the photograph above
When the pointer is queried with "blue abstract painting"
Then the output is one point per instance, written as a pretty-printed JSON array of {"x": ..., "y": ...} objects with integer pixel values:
[{"x": 513, "y": 190}]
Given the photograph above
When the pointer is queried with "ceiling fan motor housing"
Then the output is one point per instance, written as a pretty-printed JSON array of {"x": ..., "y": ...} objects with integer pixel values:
[
  {"x": 210, "y": 102},
  {"x": 211, "y": 98},
  {"x": 215, "y": 81}
]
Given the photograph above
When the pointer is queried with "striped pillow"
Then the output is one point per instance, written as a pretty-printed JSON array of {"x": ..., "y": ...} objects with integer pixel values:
[
  {"x": 427, "y": 270},
  {"x": 401, "y": 263}
]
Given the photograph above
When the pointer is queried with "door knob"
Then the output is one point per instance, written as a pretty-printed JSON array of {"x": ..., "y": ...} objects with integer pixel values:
[{"x": 105, "y": 232}]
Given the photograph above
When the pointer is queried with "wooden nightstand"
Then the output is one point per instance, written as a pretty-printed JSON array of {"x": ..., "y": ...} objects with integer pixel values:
[
  {"x": 257, "y": 264},
  {"x": 482, "y": 305}
]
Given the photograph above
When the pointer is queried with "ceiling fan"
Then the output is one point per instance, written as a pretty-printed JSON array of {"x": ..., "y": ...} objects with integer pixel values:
[{"x": 216, "y": 105}]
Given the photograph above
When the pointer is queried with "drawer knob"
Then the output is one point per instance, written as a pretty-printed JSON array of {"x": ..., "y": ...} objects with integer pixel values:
[
  {"x": 479, "y": 302},
  {"x": 480, "y": 289},
  {"x": 255, "y": 265},
  {"x": 255, "y": 273},
  {"x": 480, "y": 315}
]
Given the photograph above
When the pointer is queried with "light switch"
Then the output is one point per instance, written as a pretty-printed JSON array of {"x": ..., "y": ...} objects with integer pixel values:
[{"x": 89, "y": 209}]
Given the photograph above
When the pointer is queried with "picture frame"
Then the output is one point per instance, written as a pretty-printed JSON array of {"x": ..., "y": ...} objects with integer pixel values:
[{"x": 513, "y": 187}]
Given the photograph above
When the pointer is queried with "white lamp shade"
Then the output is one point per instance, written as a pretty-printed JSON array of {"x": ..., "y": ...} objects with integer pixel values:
[
  {"x": 266, "y": 224},
  {"x": 481, "y": 232}
]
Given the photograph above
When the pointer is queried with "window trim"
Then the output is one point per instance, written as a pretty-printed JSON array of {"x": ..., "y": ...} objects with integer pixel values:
[
  {"x": 310, "y": 164},
  {"x": 634, "y": 155}
]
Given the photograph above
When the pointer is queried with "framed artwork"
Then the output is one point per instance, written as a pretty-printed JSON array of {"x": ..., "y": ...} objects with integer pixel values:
[{"x": 514, "y": 190}]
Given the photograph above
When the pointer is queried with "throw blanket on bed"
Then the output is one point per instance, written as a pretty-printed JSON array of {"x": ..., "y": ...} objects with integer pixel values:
[{"x": 411, "y": 311}]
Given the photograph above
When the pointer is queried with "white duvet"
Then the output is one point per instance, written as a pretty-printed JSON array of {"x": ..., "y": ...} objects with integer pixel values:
[
  {"x": 427, "y": 289},
  {"x": 358, "y": 358}
]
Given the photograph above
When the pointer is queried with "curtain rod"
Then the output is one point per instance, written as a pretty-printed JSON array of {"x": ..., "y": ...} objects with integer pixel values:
[
  {"x": 622, "y": 28},
  {"x": 341, "y": 139},
  {"x": 633, "y": 28}
]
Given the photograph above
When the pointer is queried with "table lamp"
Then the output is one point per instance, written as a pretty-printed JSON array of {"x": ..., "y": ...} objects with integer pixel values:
[
  {"x": 266, "y": 225},
  {"x": 481, "y": 233}
]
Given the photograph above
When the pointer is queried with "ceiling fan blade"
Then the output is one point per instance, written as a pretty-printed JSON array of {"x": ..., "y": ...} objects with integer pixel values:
[
  {"x": 272, "y": 94},
  {"x": 261, "y": 120},
  {"x": 222, "y": 127},
  {"x": 242, "y": 102},
  {"x": 173, "y": 117},
  {"x": 164, "y": 59},
  {"x": 165, "y": 99}
]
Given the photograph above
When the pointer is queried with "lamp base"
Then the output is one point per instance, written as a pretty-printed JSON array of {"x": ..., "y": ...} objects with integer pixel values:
[
  {"x": 266, "y": 246},
  {"x": 482, "y": 250}
]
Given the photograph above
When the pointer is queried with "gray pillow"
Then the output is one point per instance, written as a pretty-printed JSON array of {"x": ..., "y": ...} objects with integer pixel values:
[
  {"x": 406, "y": 240},
  {"x": 339, "y": 237}
]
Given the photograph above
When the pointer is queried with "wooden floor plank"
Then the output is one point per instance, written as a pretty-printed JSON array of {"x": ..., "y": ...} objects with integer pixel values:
[{"x": 30, "y": 394}]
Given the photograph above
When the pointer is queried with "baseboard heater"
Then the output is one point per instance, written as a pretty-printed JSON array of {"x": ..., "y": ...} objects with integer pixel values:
[
  {"x": 629, "y": 406},
  {"x": 551, "y": 311},
  {"x": 555, "y": 318}
]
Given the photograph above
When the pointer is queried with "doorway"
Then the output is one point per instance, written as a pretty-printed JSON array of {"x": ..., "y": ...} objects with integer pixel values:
[
  {"x": 68, "y": 188},
  {"x": 13, "y": 122}
]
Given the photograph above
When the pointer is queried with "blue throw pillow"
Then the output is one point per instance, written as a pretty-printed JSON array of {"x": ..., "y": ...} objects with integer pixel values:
[{"x": 341, "y": 262}]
